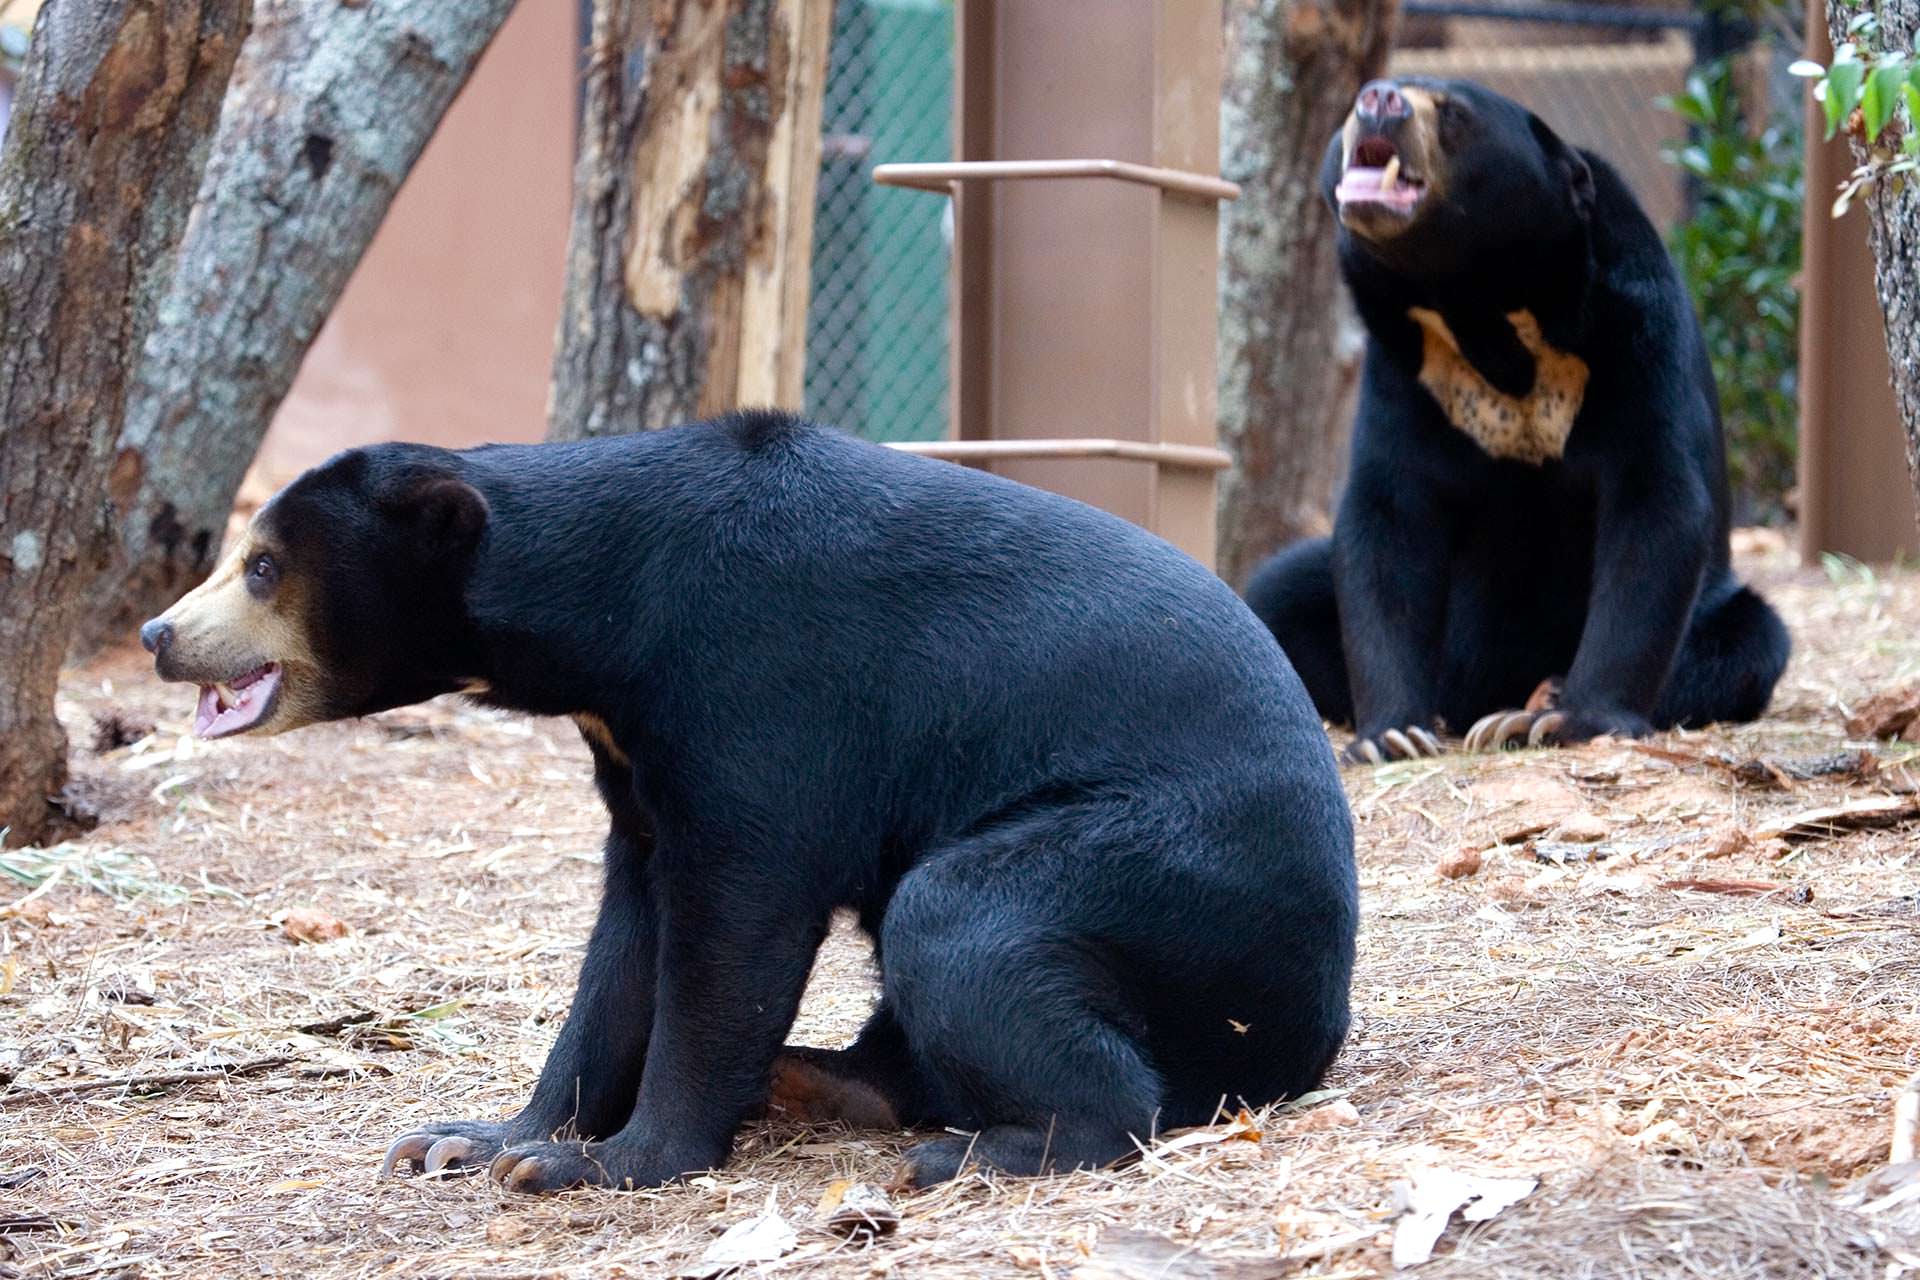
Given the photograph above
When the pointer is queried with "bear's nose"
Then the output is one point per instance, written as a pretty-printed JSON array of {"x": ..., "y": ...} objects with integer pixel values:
[
  {"x": 1381, "y": 102},
  {"x": 156, "y": 635}
]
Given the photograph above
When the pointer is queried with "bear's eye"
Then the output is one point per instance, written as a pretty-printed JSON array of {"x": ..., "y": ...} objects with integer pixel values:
[{"x": 262, "y": 574}]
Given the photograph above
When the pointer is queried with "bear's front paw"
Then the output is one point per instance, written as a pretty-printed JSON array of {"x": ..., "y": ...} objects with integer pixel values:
[
  {"x": 1554, "y": 727},
  {"x": 447, "y": 1146},
  {"x": 542, "y": 1168},
  {"x": 1409, "y": 743}
]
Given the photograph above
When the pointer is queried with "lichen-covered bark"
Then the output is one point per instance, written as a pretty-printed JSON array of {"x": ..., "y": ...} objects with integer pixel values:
[
  {"x": 687, "y": 263},
  {"x": 1293, "y": 68},
  {"x": 330, "y": 106},
  {"x": 102, "y": 158},
  {"x": 1893, "y": 219}
]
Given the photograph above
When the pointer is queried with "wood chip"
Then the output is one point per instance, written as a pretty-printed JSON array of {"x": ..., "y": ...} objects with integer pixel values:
[
  {"x": 310, "y": 924},
  {"x": 1891, "y": 713}
]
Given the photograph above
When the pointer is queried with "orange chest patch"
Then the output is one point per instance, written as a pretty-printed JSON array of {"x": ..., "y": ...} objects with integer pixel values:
[{"x": 1531, "y": 428}]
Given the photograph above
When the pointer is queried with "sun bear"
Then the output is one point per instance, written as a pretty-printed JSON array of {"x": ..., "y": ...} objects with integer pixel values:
[
  {"x": 1062, "y": 776},
  {"x": 1532, "y": 546}
]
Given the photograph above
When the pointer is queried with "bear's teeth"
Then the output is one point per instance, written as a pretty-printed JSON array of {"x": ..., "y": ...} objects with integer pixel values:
[
  {"x": 228, "y": 698},
  {"x": 1390, "y": 176}
]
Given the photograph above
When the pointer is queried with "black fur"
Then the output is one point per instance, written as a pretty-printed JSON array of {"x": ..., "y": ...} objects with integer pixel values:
[
  {"x": 1456, "y": 582},
  {"x": 1064, "y": 778}
]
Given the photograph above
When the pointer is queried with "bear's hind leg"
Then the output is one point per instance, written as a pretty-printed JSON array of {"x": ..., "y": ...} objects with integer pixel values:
[
  {"x": 1731, "y": 658},
  {"x": 1017, "y": 1026}
]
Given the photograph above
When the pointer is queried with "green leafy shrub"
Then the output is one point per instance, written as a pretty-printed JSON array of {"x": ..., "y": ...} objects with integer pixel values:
[{"x": 1739, "y": 254}]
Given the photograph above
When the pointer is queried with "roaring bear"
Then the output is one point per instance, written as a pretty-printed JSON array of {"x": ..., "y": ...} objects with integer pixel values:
[
  {"x": 1533, "y": 538},
  {"x": 1064, "y": 779}
]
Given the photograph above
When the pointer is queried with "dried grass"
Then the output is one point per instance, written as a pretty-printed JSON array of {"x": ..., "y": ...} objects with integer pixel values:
[{"x": 1687, "y": 1069}]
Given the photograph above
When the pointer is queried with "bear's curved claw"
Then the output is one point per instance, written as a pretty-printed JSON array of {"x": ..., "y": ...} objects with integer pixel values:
[
  {"x": 445, "y": 1147},
  {"x": 541, "y": 1168},
  {"x": 452, "y": 1155},
  {"x": 411, "y": 1149},
  {"x": 1505, "y": 729},
  {"x": 1545, "y": 727},
  {"x": 1409, "y": 743}
]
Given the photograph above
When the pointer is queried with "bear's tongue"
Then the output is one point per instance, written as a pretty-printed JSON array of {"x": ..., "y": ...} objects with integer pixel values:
[
  {"x": 236, "y": 705},
  {"x": 1379, "y": 185}
]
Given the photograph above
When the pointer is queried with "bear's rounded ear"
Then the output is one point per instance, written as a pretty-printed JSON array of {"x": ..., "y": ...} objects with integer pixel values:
[
  {"x": 1567, "y": 164},
  {"x": 445, "y": 513}
]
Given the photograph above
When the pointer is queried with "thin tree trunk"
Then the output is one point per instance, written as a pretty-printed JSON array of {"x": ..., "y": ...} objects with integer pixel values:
[
  {"x": 330, "y": 107},
  {"x": 102, "y": 159},
  {"x": 1893, "y": 221},
  {"x": 1293, "y": 69},
  {"x": 687, "y": 265}
]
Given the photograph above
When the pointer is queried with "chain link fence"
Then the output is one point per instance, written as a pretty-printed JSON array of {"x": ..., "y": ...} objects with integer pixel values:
[
  {"x": 1597, "y": 72},
  {"x": 877, "y": 320}
]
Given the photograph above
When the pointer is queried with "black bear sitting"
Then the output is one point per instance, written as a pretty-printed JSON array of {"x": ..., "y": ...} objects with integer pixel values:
[
  {"x": 1072, "y": 789},
  {"x": 1536, "y": 506}
]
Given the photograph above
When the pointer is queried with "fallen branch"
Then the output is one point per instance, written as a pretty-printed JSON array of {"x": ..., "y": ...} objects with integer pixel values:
[
  {"x": 1855, "y": 815},
  {"x": 1742, "y": 888},
  {"x": 162, "y": 1080},
  {"x": 1769, "y": 774}
]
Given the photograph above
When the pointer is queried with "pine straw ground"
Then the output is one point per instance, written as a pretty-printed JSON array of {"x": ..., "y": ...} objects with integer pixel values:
[{"x": 1691, "y": 1032}]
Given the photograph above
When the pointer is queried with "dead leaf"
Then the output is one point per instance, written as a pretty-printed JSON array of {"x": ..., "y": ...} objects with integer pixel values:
[
  {"x": 310, "y": 924},
  {"x": 758, "y": 1239},
  {"x": 1241, "y": 1127},
  {"x": 862, "y": 1212},
  {"x": 1460, "y": 864},
  {"x": 1433, "y": 1195}
]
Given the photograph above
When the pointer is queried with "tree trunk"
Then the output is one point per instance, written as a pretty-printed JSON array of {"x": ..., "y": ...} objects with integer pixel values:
[
  {"x": 102, "y": 158},
  {"x": 687, "y": 265},
  {"x": 1293, "y": 70},
  {"x": 331, "y": 104},
  {"x": 1893, "y": 221}
]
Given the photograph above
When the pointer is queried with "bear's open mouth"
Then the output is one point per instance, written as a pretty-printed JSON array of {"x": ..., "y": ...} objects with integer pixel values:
[
  {"x": 236, "y": 705},
  {"x": 1374, "y": 175}
]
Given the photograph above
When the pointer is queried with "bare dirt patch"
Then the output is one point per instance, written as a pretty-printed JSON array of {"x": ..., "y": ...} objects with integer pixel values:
[{"x": 1592, "y": 967}]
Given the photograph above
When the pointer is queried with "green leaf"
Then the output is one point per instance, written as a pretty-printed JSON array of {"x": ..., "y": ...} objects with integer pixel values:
[
  {"x": 1881, "y": 94},
  {"x": 1844, "y": 84}
]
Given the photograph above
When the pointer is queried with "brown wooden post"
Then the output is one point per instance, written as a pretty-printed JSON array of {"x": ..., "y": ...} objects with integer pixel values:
[
  {"x": 1085, "y": 309},
  {"x": 1855, "y": 494}
]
